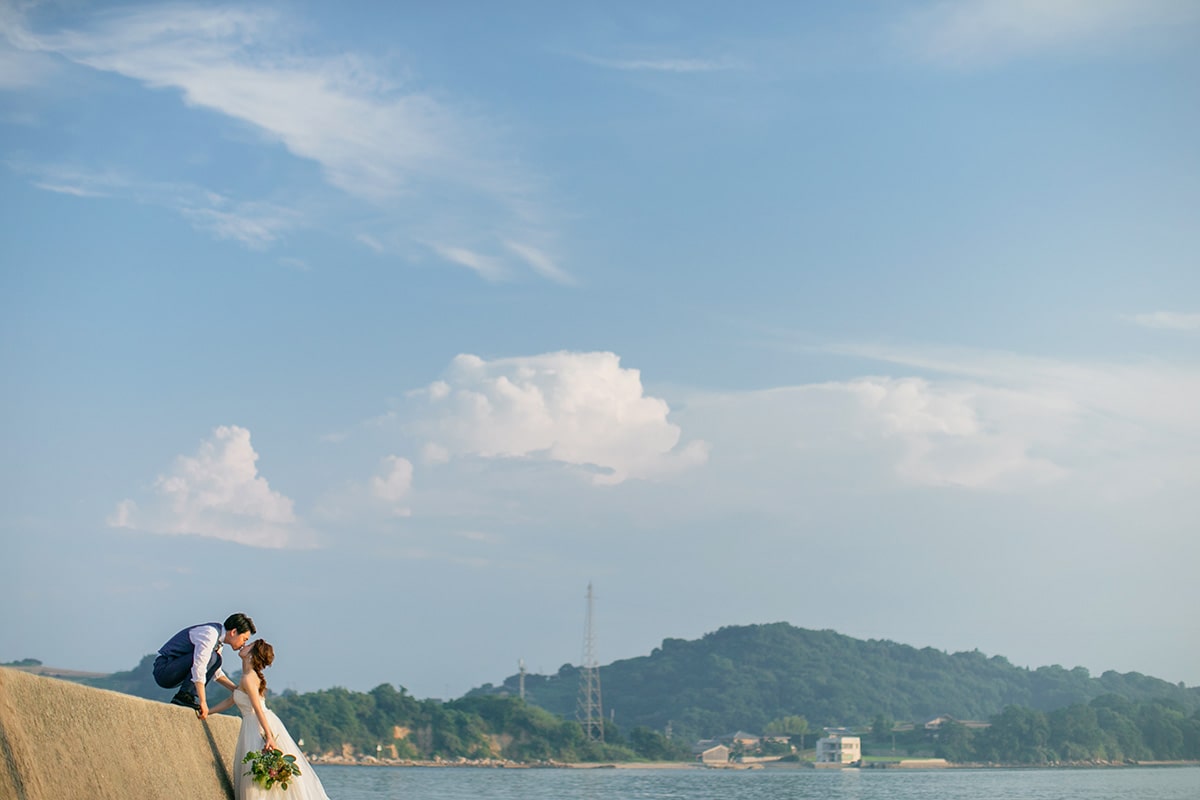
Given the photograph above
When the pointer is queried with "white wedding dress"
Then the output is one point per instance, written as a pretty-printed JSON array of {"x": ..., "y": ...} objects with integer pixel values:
[{"x": 306, "y": 787}]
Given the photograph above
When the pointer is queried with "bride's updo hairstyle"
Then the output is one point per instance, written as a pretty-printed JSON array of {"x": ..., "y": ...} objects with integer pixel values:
[{"x": 262, "y": 655}]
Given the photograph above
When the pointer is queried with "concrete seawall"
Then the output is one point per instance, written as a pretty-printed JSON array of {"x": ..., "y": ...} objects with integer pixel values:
[{"x": 63, "y": 741}]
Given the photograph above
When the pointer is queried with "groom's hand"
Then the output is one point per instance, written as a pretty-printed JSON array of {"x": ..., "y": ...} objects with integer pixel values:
[{"x": 203, "y": 712}]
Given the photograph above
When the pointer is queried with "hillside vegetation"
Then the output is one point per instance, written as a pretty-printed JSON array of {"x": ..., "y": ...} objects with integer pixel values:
[
  {"x": 758, "y": 678},
  {"x": 483, "y": 727},
  {"x": 744, "y": 677}
]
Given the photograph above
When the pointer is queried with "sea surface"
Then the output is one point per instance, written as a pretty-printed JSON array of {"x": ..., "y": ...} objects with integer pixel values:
[{"x": 433, "y": 783}]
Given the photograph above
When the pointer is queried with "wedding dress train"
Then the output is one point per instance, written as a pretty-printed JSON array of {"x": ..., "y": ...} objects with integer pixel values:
[{"x": 305, "y": 787}]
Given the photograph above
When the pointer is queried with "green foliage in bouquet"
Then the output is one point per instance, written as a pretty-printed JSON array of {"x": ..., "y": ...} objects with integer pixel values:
[{"x": 269, "y": 767}]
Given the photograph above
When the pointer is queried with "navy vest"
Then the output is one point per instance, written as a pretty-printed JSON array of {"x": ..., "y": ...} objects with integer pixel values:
[{"x": 181, "y": 645}]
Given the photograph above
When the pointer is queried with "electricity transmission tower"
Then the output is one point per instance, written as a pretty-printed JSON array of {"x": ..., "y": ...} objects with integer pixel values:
[{"x": 590, "y": 713}]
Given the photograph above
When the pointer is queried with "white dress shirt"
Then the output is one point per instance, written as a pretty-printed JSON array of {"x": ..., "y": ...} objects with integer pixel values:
[{"x": 205, "y": 639}]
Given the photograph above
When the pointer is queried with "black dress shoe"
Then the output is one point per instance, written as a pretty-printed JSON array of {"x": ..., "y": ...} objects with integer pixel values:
[{"x": 182, "y": 698}]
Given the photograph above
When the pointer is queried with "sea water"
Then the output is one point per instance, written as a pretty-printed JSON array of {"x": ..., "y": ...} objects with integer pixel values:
[{"x": 434, "y": 783}]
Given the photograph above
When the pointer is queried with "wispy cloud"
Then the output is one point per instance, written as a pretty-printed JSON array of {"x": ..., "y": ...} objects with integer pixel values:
[
  {"x": 298, "y": 264},
  {"x": 254, "y": 224},
  {"x": 676, "y": 65},
  {"x": 976, "y": 32},
  {"x": 1167, "y": 320},
  {"x": 375, "y": 137},
  {"x": 20, "y": 69},
  {"x": 486, "y": 267},
  {"x": 370, "y": 242},
  {"x": 541, "y": 263}
]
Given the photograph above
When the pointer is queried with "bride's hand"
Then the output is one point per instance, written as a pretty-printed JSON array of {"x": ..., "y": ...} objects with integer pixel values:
[{"x": 270, "y": 745}]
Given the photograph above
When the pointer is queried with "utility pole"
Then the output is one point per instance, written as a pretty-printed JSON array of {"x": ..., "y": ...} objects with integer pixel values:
[{"x": 590, "y": 712}]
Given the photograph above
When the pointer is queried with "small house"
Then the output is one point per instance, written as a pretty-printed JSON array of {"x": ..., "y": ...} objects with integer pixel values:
[
  {"x": 838, "y": 748},
  {"x": 709, "y": 752}
]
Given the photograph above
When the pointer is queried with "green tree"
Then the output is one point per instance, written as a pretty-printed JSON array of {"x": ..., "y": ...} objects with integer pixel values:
[
  {"x": 794, "y": 726},
  {"x": 954, "y": 742},
  {"x": 1017, "y": 736},
  {"x": 653, "y": 746}
]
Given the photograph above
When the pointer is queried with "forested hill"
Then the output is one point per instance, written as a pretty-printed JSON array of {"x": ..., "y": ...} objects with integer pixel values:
[{"x": 746, "y": 676}]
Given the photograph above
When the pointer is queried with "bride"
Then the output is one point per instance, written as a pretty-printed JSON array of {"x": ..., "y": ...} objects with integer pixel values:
[{"x": 262, "y": 728}]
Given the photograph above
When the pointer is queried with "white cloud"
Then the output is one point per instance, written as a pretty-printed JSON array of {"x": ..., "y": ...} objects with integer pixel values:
[
  {"x": 375, "y": 138},
  {"x": 297, "y": 264},
  {"x": 675, "y": 65},
  {"x": 487, "y": 268},
  {"x": 393, "y": 483},
  {"x": 371, "y": 242},
  {"x": 75, "y": 181},
  {"x": 976, "y": 419},
  {"x": 1149, "y": 394},
  {"x": 582, "y": 409},
  {"x": 434, "y": 453},
  {"x": 540, "y": 262},
  {"x": 219, "y": 494},
  {"x": 501, "y": 267},
  {"x": 66, "y": 188},
  {"x": 1167, "y": 320},
  {"x": 972, "y": 32},
  {"x": 952, "y": 435},
  {"x": 254, "y": 225},
  {"x": 871, "y": 433},
  {"x": 19, "y": 68}
]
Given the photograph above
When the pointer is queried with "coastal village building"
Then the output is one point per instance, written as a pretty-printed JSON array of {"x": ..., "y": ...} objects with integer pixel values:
[
  {"x": 838, "y": 748},
  {"x": 748, "y": 741},
  {"x": 709, "y": 751},
  {"x": 937, "y": 722}
]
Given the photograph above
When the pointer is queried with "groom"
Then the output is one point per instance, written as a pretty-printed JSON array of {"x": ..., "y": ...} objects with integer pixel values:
[{"x": 192, "y": 658}]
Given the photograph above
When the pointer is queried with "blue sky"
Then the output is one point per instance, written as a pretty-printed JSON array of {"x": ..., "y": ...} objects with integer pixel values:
[{"x": 395, "y": 327}]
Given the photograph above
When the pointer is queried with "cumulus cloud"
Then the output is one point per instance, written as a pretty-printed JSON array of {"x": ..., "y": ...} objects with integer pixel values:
[
  {"x": 1167, "y": 320},
  {"x": 583, "y": 409},
  {"x": 949, "y": 437},
  {"x": 217, "y": 493},
  {"x": 971, "y": 419},
  {"x": 869, "y": 432},
  {"x": 1149, "y": 394},
  {"x": 393, "y": 483}
]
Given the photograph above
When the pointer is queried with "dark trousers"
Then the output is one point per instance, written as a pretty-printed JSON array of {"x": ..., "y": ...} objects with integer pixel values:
[{"x": 173, "y": 671}]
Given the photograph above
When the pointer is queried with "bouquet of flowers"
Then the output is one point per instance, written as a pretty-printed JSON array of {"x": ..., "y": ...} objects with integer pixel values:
[{"x": 269, "y": 767}]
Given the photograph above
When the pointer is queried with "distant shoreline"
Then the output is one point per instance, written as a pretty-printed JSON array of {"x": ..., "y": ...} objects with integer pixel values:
[{"x": 370, "y": 761}]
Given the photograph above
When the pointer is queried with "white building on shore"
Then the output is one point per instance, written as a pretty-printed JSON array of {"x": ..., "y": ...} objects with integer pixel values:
[{"x": 838, "y": 748}]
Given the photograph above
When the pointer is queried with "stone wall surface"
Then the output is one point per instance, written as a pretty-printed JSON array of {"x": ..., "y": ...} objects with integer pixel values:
[{"x": 63, "y": 741}]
